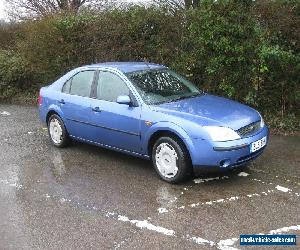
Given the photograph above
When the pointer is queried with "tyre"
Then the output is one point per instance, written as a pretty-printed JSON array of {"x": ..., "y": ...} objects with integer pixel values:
[
  {"x": 171, "y": 159},
  {"x": 57, "y": 131}
]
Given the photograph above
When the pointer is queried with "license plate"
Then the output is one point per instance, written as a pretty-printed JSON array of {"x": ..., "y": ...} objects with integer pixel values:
[{"x": 254, "y": 146}]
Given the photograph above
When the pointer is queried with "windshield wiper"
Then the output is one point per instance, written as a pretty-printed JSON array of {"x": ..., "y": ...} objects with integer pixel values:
[
  {"x": 178, "y": 98},
  {"x": 185, "y": 97}
]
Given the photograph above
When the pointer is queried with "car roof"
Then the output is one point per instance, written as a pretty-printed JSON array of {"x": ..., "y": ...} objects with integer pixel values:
[{"x": 127, "y": 67}]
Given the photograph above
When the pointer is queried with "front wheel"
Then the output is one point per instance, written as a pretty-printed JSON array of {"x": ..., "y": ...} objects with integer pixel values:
[
  {"x": 57, "y": 131},
  {"x": 171, "y": 159}
]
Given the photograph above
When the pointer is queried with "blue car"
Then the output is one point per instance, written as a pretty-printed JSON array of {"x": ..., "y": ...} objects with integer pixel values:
[{"x": 149, "y": 111}]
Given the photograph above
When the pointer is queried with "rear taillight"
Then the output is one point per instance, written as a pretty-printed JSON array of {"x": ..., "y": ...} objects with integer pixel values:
[{"x": 40, "y": 100}]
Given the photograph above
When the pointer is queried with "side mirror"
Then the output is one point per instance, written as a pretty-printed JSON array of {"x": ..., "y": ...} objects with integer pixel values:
[{"x": 124, "y": 99}]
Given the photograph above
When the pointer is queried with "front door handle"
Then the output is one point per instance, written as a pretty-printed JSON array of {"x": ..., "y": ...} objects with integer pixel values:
[
  {"x": 62, "y": 101},
  {"x": 96, "y": 109}
]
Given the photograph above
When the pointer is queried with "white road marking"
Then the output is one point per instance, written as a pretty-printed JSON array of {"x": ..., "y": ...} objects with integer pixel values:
[
  {"x": 227, "y": 244},
  {"x": 263, "y": 182},
  {"x": 201, "y": 241},
  {"x": 168, "y": 232},
  {"x": 142, "y": 224},
  {"x": 283, "y": 189},
  {"x": 146, "y": 224},
  {"x": 285, "y": 229},
  {"x": 162, "y": 210},
  {"x": 223, "y": 200},
  {"x": 278, "y": 187},
  {"x": 278, "y": 177},
  {"x": 234, "y": 198},
  {"x": 243, "y": 174},
  {"x": 5, "y": 113}
]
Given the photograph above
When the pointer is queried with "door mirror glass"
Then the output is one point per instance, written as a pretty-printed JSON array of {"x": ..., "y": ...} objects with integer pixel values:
[{"x": 124, "y": 99}]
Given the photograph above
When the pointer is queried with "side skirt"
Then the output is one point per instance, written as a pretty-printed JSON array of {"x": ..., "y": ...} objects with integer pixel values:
[{"x": 111, "y": 147}]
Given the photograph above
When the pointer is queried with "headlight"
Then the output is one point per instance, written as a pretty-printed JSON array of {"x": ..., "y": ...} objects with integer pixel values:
[
  {"x": 221, "y": 133},
  {"x": 262, "y": 122}
]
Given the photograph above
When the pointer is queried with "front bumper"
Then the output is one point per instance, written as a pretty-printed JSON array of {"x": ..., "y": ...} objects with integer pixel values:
[{"x": 228, "y": 154}]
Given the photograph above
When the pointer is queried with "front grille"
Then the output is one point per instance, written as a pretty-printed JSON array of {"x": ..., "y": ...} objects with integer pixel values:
[{"x": 249, "y": 129}]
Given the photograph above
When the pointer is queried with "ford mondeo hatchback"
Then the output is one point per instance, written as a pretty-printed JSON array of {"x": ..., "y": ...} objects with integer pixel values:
[{"x": 148, "y": 110}]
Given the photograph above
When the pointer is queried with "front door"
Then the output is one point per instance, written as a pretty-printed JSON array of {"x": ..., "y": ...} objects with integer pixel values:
[{"x": 116, "y": 125}]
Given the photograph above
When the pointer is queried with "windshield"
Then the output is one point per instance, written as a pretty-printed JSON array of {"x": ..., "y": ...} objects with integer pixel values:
[{"x": 162, "y": 85}]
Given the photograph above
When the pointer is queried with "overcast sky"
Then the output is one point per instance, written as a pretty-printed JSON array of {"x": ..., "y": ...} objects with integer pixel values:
[{"x": 2, "y": 13}]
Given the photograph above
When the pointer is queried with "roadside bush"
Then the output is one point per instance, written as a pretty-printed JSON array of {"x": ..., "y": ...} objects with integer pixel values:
[
  {"x": 220, "y": 47},
  {"x": 8, "y": 34},
  {"x": 14, "y": 75},
  {"x": 237, "y": 49},
  {"x": 279, "y": 89},
  {"x": 56, "y": 44}
]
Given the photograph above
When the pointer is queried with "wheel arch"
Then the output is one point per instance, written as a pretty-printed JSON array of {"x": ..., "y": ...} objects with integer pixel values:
[
  {"x": 54, "y": 110},
  {"x": 171, "y": 130},
  {"x": 162, "y": 133},
  {"x": 51, "y": 112}
]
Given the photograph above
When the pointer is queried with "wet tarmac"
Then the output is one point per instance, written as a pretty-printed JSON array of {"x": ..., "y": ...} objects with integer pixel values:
[{"x": 85, "y": 197}]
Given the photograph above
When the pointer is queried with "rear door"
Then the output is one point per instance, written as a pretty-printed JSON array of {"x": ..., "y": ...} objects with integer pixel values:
[
  {"x": 117, "y": 125},
  {"x": 75, "y": 103}
]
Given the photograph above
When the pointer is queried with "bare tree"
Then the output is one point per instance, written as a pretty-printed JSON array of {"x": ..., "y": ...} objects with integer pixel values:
[
  {"x": 27, "y": 9},
  {"x": 178, "y": 4}
]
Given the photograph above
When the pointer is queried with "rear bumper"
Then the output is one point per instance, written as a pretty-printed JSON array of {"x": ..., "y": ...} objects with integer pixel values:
[
  {"x": 223, "y": 155},
  {"x": 42, "y": 113}
]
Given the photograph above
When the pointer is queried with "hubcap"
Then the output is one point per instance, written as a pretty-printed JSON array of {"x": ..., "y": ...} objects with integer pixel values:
[
  {"x": 166, "y": 160},
  {"x": 55, "y": 130}
]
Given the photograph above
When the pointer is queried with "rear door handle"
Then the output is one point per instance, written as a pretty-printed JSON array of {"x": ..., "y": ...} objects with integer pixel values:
[
  {"x": 96, "y": 109},
  {"x": 62, "y": 101}
]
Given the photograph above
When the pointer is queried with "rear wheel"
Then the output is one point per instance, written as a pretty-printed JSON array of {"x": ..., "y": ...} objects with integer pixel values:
[
  {"x": 57, "y": 131},
  {"x": 171, "y": 159}
]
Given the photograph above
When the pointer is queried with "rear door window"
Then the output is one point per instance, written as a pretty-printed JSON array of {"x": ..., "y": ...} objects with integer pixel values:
[
  {"x": 66, "y": 87},
  {"x": 81, "y": 84}
]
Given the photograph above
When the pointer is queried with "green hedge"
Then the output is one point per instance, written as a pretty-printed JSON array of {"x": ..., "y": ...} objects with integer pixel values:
[{"x": 246, "y": 50}]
